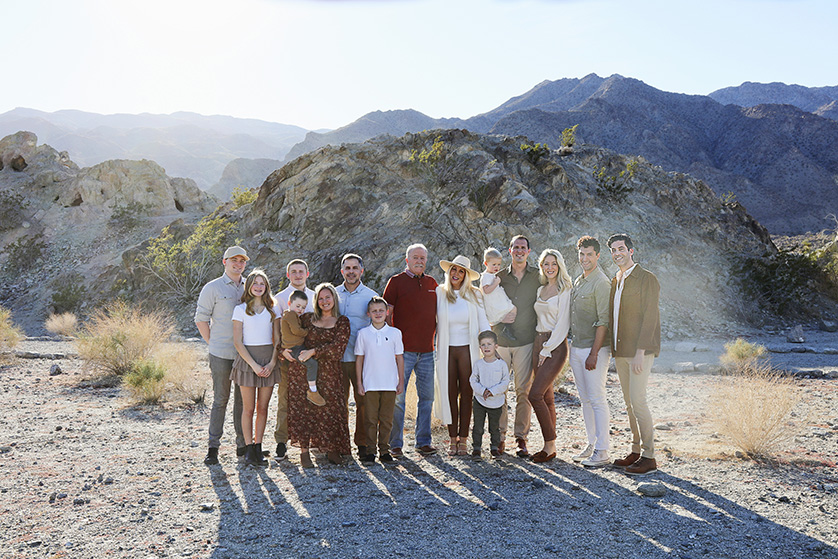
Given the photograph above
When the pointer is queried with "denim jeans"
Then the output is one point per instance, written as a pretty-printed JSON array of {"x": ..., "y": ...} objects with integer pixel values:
[{"x": 423, "y": 365}]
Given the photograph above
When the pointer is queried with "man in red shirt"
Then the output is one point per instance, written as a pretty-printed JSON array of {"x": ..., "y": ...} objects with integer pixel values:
[{"x": 412, "y": 298}]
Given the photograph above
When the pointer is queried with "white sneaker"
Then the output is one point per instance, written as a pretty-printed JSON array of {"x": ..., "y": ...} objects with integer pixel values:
[
  {"x": 584, "y": 454},
  {"x": 598, "y": 458}
]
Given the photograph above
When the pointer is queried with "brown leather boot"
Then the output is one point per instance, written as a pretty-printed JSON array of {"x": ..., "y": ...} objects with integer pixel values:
[{"x": 627, "y": 461}]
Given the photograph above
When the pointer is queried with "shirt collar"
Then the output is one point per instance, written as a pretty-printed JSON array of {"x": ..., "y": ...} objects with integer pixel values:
[
  {"x": 342, "y": 288},
  {"x": 622, "y": 277}
]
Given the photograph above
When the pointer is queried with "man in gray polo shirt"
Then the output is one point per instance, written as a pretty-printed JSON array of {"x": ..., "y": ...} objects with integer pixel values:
[
  {"x": 214, "y": 319},
  {"x": 589, "y": 354}
]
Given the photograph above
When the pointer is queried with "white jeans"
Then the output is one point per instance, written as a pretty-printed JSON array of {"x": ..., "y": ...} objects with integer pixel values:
[{"x": 591, "y": 387}]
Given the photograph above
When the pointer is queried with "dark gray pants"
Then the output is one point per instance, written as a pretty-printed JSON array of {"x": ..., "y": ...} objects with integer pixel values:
[
  {"x": 220, "y": 369},
  {"x": 480, "y": 413}
]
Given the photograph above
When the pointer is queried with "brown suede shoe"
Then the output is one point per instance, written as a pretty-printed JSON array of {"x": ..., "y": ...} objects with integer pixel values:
[
  {"x": 501, "y": 446},
  {"x": 315, "y": 398},
  {"x": 426, "y": 450},
  {"x": 305, "y": 460},
  {"x": 642, "y": 467},
  {"x": 396, "y": 453},
  {"x": 627, "y": 461}
]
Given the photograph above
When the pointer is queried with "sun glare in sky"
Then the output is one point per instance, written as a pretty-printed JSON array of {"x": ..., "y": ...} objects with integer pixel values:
[{"x": 323, "y": 64}]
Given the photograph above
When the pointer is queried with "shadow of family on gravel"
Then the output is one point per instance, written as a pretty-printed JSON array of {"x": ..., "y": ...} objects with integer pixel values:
[{"x": 468, "y": 507}]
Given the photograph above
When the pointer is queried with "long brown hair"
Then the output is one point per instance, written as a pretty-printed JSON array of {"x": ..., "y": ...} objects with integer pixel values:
[{"x": 267, "y": 298}]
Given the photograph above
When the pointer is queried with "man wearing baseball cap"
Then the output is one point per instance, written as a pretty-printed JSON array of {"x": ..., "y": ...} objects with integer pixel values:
[{"x": 214, "y": 319}]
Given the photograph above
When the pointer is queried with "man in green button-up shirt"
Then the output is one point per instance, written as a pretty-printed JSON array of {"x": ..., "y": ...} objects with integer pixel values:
[{"x": 589, "y": 354}]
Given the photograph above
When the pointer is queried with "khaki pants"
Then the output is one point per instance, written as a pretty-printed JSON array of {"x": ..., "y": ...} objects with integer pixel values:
[
  {"x": 378, "y": 411},
  {"x": 634, "y": 394},
  {"x": 350, "y": 378},
  {"x": 281, "y": 431},
  {"x": 519, "y": 361}
]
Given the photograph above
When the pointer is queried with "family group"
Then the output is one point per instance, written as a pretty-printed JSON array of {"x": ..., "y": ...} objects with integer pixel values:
[{"x": 465, "y": 341}]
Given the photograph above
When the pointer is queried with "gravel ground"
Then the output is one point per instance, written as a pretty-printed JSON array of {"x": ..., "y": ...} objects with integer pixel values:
[{"x": 83, "y": 473}]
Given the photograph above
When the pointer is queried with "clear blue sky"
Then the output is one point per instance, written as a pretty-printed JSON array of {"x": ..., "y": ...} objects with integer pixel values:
[{"x": 324, "y": 63}]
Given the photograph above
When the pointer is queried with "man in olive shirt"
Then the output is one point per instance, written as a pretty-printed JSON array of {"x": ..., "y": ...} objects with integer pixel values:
[
  {"x": 521, "y": 283},
  {"x": 589, "y": 354}
]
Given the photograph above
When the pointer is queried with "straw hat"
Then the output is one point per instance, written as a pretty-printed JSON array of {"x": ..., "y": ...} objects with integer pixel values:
[{"x": 462, "y": 262}]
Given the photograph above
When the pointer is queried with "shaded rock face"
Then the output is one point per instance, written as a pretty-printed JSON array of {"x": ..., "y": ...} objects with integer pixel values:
[
  {"x": 244, "y": 173},
  {"x": 373, "y": 200},
  {"x": 63, "y": 226}
]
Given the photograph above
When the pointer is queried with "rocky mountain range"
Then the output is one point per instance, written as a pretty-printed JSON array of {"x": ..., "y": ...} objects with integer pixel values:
[
  {"x": 777, "y": 160},
  {"x": 184, "y": 144},
  {"x": 817, "y": 100}
]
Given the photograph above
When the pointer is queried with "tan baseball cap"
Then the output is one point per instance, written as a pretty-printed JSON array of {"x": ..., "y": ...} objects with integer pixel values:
[{"x": 235, "y": 251}]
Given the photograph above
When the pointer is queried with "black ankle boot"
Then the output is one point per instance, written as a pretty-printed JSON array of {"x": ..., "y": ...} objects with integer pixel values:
[
  {"x": 257, "y": 453},
  {"x": 250, "y": 455}
]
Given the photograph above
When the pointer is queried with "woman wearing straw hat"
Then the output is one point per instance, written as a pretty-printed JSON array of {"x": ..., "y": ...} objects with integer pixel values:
[{"x": 460, "y": 318}]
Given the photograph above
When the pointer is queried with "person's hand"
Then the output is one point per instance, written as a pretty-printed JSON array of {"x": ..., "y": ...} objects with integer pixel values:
[
  {"x": 590, "y": 362},
  {"x": 286, "y": 353},
  {"x": 496, "y": 281},
  {"x": 399, "y": 389},
  {"x": 257, "y": 368},
  {"x": 265, "y": 371},
  {"x": 487, "y": 393},
  {"x": 637, "y": 364},
  {"x": 361, "y": 390},
  {"x": 306, "y": 354},
  {"x": 510, "y": 316}
]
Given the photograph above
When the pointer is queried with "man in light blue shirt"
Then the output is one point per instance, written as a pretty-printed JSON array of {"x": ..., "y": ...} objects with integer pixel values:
[{"x": 354, "y": 297}]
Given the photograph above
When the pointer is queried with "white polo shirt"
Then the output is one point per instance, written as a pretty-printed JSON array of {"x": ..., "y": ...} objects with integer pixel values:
[{"x": 379, "y": 348}]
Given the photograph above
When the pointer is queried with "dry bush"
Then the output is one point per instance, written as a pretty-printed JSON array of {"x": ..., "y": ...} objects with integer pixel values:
[
  {"x": 120, "y": 336},
  {"x": 411, "y": 404},
  {"x": 182, "y": 377},
  {"x": 741, "y": 354},
  {"x": 146, "y": 381},
  {"x": 63, "y": 324},
  {"x": 751, "y": 407},
  {"x": 10, "y": 335}
]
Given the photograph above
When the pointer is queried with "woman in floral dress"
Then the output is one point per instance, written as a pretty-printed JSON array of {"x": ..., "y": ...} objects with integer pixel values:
[{"x": 310, "y": 426}]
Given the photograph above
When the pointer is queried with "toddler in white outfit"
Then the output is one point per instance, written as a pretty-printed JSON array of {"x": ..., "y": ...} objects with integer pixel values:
[{"x": 495, "y": 300}]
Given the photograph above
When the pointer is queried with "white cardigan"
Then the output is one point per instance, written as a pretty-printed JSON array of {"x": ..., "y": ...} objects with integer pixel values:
[{"x": 477, "y": 322}]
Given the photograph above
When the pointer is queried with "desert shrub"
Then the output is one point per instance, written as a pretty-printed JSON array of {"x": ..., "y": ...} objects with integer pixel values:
[
  {"x": 751, "y": 407},
  {"x": 783, "y": 283},
  {"x": 146, "y": 380},
  {"x": 569, "y": 136},
  {"x": 12, "y": 205},
  {"x": 437, "y": 165},
  {"x": 243, "y": 196},
  {"x": 181, "y": 268},
  {"x": 10, "y": 335},
  {"x": 63, "y": 324},
  {"x": 69, "y": 295},
  {"x": 536, "y": 152},
  {"x": 614, "y": 186},
  {"x": 24, "y": 252},
  {"x": 740, "y": 353},
  {"x": 119, "y": 336},
  {"x": 728, "y": 198}
]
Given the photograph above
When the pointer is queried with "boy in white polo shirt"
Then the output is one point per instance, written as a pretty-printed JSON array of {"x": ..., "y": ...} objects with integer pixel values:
[
  {"x": 379, "y": 364},
  {"x": 489, "y": 380}
]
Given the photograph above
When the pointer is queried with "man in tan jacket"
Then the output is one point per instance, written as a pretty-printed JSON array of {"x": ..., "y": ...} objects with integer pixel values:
[{"x": 635, "y": 342}]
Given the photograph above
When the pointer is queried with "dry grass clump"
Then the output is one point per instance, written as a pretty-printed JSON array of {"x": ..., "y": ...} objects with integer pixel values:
[
  {"x": 10, "y": 335},
  {"x": 123, "y": 342},
  {"x": 740, "y": 354},
  {"x": 751, "y": 407},
  {"x": 64, "y": 324}
]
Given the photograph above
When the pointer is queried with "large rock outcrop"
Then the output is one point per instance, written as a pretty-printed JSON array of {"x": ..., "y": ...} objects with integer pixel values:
[
  {"x": 373, "y": 199},
  {"x": 63, "y": 225}
]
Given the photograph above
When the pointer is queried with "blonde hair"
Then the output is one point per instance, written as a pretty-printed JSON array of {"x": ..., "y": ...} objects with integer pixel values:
[
  {"x": 318, "y": 314},
  {"x": 563, "y": 278},
  {"x": 267, "y": 298},
  {"x": 492, "y": 253},
  {"x": 468, "y": 291}
]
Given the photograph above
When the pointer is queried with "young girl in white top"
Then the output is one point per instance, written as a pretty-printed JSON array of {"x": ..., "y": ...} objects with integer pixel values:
[
  {"x": 495, "y": 300},
  {"x": 550, "y": 351},
  {"x": 255, "y": 367}
]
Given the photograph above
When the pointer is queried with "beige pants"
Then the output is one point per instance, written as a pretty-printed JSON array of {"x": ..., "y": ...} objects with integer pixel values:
[
  {"x": 634, "y": 394},
  {"x": 519, "y": 361},
  {"x": 379, "y": 406}
]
